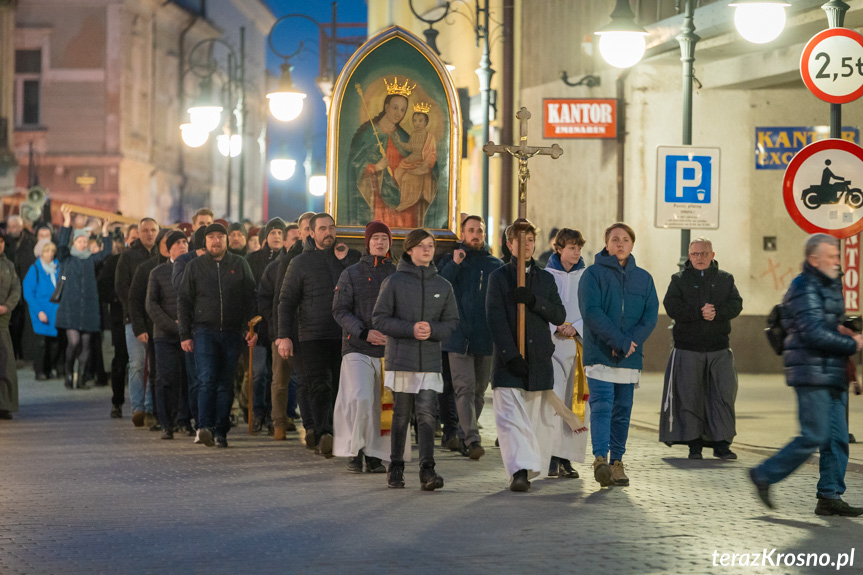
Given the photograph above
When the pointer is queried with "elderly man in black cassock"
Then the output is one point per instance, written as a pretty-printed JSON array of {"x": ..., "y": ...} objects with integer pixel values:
[{"x": 700, "y": 380}]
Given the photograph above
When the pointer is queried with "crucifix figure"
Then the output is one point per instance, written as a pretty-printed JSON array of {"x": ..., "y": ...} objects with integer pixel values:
[{"x": 523, "y": 153}]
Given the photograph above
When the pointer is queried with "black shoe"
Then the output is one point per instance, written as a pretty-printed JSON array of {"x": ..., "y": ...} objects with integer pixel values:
[
  {"x": 565, "y": 470},
  {"x": 156, "y": 427},
  {"x": 221, "y": 442},
  {"x": 102, "y": 382},
  {"x": 836, "y": 507},
  {"x": 463, "y": 449},
  {"x": 554, "y": 467},
  {"x": 429, "y": 479},
  {"x": 452, "y": 443},
  {"x": 270, "y": 427},
  {"x": 40, "y": 376},
  {"x": 167, "y": 434},
  {"x": 5, "y": 414},
  {"x": 374, "y": 465},
  {"x": 696, "y": 455},
  {"x": 763, "y": 490},
  {"x": 497, "y": 442},
  {"x": 257, "y": 424},
  {"x": 396, "y": 476},
  {"x": 311, "y": 441},
  {"x": 355, "y": 465},
  {"x": 475, "y": 451},
  {"x": 724, "y": 454},
  {"x": 325, "y": 445},
  {"x": 519, "y": 481},
  {"x": 116, "y": 412}
]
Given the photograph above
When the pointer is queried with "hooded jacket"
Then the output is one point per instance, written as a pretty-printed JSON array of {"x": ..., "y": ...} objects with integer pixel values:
[
  {"x": 619, "y": 306},
  {"x": 815, "y": 351},
  {"x": 140, "y": 320},
  {"x": 162, "y": 303},
  {"x": 687, "y": 293},
  {"x": 413, "y": 294},
  {"x": 354, "y": 302},
  {"x": 501, "y": 310},
  {"x": 567, "y": 287},
  {"x": 126, "y": 266},
  {"x": 218, "y": 295},
  {"x": 38, "y": 289},
  {"x": 79, "y": 304},
  {"x": 469, "y": 281},
  {"x": 308, "y": 289}
]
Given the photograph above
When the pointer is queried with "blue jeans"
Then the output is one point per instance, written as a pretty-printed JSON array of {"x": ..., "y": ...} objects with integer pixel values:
[
  {"x": 216, "y": 356},
  {"x": 137, "y": 357},
  {"x": 610, "y": 408},
  {"x": 194, "y": 385},
  {"x": 822, "y": 427}
]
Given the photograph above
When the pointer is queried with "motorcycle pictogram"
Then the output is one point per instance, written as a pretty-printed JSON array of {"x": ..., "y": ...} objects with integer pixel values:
[{"x": 831, "y": 193}]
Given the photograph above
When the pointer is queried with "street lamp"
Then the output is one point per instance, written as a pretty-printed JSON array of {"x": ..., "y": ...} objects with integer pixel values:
[
  {"x": 282, "y": 169},
  {"x": 232, "y": 144},
  {"x": 205, "y": 113},
  {"x": 286, "y": 103},
  {"x": 318, "y": 185},
  {"x": 759, "y": 21},
  {"x": 622, "y": 41},
  {"x": 193, "y": 136}
]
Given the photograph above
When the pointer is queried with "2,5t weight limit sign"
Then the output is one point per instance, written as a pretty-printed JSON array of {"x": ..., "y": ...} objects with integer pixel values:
[{"x": 832, "y": 65}]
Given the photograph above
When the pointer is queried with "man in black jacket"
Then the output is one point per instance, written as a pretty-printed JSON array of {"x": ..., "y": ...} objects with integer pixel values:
[
  {"x": 170, "y": 365},
  {"x": 700, "y": 380},
  {"x": 139, "y": 251},
  {"x": 274, "y": 236},
  {"x": 216, "y": 301},
  {"x": 286, "y": 371},
  {"x": 307, "y": 290}
]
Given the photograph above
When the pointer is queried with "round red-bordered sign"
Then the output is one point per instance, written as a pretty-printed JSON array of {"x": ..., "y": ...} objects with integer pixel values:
[
  {"x": 830, "y": 66},
  {"x": 816, "y": 208}
]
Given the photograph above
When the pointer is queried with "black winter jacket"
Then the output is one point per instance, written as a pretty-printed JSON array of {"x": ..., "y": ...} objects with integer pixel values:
[
  {"x": 500, "y": 308},
  {"x": 414, "y": 294},
  {"x": 218, "y": 295},
  {"x": 689, "y": 290},
  {"x": 137, "y": 301},
  {"x": 308, "y": 289},
  {"x": 469, "y": 281},
  {"x": 130, "y": 259},
  {"x": 162, "y": 303},
  {"x": 815, "y": 351},
  {"x": 79, "y": 304},
  {"x": 354, "y": 302},
  {"x": 260, "y": 259},
  {"x": 266, "y": 294}
]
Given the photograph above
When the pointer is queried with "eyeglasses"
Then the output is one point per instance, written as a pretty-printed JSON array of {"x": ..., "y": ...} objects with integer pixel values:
[{"x": 699, "y": 254}]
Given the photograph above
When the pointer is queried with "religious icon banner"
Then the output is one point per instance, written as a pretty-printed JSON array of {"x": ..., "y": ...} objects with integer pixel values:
[{"x": 394, "y": 139}]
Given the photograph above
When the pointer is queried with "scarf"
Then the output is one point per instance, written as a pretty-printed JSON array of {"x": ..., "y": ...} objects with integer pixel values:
[
  {"x": 50, "y": 268},
  {"x": 80, "y": 254}
]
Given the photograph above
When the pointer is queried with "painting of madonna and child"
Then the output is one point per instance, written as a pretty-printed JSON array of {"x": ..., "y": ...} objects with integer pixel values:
[{"x": 395, "y": 130}]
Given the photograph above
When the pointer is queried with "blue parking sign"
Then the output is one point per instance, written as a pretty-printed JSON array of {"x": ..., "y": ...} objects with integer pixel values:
[
  {"x": 687, "y": 187},
  {"x": 688, "y": 179}
]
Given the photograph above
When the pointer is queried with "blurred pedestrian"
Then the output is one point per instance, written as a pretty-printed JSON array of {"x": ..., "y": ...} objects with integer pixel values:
[
  {"x": 10, "y": 294},
  {"x": 39, "y": 284}
]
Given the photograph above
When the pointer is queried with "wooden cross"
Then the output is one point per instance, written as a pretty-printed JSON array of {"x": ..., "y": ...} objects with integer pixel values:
[{"x": 523, "y": 153}]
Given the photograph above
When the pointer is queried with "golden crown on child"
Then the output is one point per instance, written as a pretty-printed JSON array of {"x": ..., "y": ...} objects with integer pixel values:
[
  {"x": 422, "y": 107},
  {"x": 394, "y": 88}
]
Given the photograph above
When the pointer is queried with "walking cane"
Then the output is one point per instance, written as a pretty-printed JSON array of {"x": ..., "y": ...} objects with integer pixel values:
[{"x": 252, "y": 325}]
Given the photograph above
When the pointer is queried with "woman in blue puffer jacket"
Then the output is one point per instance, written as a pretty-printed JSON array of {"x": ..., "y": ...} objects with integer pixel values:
[
  {"x": 619, "y": 306},
  {"x": 39, "y": 285}
]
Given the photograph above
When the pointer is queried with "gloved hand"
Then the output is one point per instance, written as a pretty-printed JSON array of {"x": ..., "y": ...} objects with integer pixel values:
[
  {"x": 523, "y": 295},
  {"x": 518, "y": 366}
]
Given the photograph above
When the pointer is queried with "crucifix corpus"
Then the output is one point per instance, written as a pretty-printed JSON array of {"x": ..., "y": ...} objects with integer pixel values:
[{"x": 523, "y": 153}]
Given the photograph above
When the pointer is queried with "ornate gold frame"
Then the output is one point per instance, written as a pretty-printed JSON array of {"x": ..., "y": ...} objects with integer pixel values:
[{"x": 344, "y": 83}]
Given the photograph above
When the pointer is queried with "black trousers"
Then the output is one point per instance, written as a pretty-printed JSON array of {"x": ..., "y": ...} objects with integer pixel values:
[
  {"x": 446, "y": 403},
  {"x": 121, "y": 355},
  {"x": 322, "y": 361},
  {"x": 47, "y": 355},
  {"x": 170, "y": 382}
]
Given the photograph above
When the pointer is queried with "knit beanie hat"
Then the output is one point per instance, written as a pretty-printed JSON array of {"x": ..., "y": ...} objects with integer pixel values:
[
  {"x": 214, "y": 228},
  {"x": 275, "y": 224},
  {"x": 200, "y": 237},
  {"x": 237, "y": 227},
  {"x": 377, "y": 227},
  {"x": 81, "y": 232},
  {"x": 174, "y": 237}
]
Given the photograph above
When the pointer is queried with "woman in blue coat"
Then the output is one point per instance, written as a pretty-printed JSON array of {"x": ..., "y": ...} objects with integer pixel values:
[
  {"x": 78, "y": 312},
  {"x": 39, "y": 284},
  {"x": 619, "y": 306}
]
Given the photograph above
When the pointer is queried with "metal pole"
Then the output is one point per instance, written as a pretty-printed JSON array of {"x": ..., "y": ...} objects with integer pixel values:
[
  {"x": 230, "y": 111},
  {"x": 333, "y": 50},
  {"x": 242, "y": 124},
  {"x": 485, "y": 72},
  {"x": 687, "y": 40}
]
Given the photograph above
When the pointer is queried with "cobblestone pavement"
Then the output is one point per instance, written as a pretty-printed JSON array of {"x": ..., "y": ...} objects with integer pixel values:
[{"x": 82, "y": 493}]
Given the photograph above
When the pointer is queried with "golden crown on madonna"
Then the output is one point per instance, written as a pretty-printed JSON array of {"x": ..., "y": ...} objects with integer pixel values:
[{"x": 395, "y": 88}]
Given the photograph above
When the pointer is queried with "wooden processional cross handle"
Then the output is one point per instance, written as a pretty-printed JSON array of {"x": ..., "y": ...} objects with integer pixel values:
[{"x": 522, "y": 152}]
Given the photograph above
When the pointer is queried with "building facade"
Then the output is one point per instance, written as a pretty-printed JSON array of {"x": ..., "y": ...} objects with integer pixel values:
[{"x": 101, "y": 88}]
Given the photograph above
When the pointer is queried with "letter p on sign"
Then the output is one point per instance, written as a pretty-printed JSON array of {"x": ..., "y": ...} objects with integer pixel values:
[{"x": 688, "y": 179}]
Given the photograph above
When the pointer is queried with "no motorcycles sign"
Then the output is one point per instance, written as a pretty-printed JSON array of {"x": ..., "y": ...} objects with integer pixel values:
[{"x": 822, "y": 188}]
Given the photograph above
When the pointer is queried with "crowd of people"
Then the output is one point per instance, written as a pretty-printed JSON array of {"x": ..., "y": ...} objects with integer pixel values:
[{"x": 286, "y": 316}]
